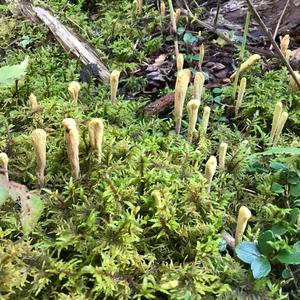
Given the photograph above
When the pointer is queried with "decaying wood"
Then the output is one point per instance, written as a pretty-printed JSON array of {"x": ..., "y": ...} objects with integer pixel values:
[
  {"x": 161, "y": 105},
  {"x": 81, "y": 48}
]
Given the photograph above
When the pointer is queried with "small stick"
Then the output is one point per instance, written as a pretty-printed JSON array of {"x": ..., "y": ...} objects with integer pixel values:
[
  {"x": 277, "y": 49},
  {"x": 217, "y": 14},
  {"x": 279, "y": 21}
]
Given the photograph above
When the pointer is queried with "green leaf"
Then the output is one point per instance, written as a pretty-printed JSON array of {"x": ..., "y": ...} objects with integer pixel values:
[
  {"x": 291, "y": 257},
  {"x": 294, "y": 190},
  {"x": 277, "y": 166},
  {"x": 260, "y": 267},
  {"x": 278, "y": 229},
  {"x": 293, "y": 218},
  {"x": 247, "y": 252},
  {"x": 32, "y": 207},
  {"x": 9, "y": 74},
  {"x": 277, "y": 188},
  {"x": 189, "y": 38},
  {"x": 263, "y": 242},
  {"x": 286, "y": 274}
]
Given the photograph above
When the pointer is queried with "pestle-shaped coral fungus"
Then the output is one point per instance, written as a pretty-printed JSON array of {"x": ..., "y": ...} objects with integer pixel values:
[
  {"x": 192, "y": 108},
  {"x": 210, "y": 169},
  {"x": 38, "y": 138},
  {"x": 74, "y": 88},
  {"x": 182, "y": 82},
  {"x": 114, "y": 83},
  {"x": 95, "y": 128},
  {"x": 72, "y": 143},
  {"x": 198, "y": 85},
  {"x": 243, "y": 217},
  {"x": 4, "y": 163}
]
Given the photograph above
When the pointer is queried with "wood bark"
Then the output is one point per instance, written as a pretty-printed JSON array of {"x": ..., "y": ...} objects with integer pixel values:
[{"x": 70, "y": 41}]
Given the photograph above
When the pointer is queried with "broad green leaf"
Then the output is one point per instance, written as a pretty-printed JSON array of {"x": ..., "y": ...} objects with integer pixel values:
[
  {"x": 9, "y": 74},
  {"x": 291, "y": 257},
  {"x": 278, "y": 229},
  {"x": 294, "y": 190},
  {"x": 189, "y": 38},
  {"x": 260, "y": 267},
  {"x": 293, "y": 218},
  {"x": 247, "y": 252},
  {"x": 32, "y": 207},
  {"x": 277, "y": 188},
  {"x": 263, "y": 242},
  {"x": 277, "y": 166},
  {"x": 286, "y": 274}
]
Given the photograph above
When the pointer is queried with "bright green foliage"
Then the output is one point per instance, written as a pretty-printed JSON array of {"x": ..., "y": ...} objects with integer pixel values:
[
  {"x": 10, "y": 74},
  {"x": 105, "y": 236}
]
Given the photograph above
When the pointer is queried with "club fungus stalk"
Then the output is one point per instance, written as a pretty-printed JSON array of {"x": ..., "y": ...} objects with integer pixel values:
[
  {"x": 201, "y": 56},
  {"x": 240, "y": 96},
  {"x": 243, "y": 217},
  {"x": 173, "y": 26},
  {"x": 33, "y": 103},
  {"x": 293, "y": 84},
  {"x": 38, "y": 138},
  {"x": 162, "y": 8},
  {"x": 281, "y": 123},
  {"x": 284, "y": 45},
  {"x": 179, "y": 62},
  {"x": 72, "y": 143},
  {"x": 74, "y": 88},
  {"x": 177, "y": 15},
  {"x": 192, "y": 108},
  {"x": 198, "y": 85},
  {"x": 222, "y": 155},
  {"x": 182, "y": 82},
  {"x": 247, "y": 64},
  {"x": 205, "y": 119},
  {"x": 210, "y": 170},
  {"x": 276, "y": 116},
  {"x": 4, "y": 163},
  {"x": 95, "y": 129},
  {"x": 158, "y": 201},
  {"x": 139, "y": 7},
  {"x": 114, "y": 83}
]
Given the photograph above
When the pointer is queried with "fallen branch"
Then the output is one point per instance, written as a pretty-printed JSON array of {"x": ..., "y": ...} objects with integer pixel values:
[
  {"x": 269, "y": 35},
  {"x": 81, "y": 48}
]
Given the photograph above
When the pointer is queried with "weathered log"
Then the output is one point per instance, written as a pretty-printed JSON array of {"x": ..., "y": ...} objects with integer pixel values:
[
  {"x": 70, "y": 41},
  {"x": 161, "y": 105}
]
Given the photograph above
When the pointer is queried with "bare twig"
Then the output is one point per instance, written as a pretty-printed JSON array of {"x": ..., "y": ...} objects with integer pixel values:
[
  {"x": 279, "y": 21},
  {"x": 269, "y": 34},
  {"x": 217, "y": 14}
]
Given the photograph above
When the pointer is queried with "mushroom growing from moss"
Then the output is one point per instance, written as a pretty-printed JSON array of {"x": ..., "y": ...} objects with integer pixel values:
[
  {"x": 293, "y": 84},
  {"x": 284, "y": 46},
  {"x": 198, "y": 85},
  {"x": 210, "y": 170},
  {"x": 279, "y": 128},
  {"x": 74, "y": 88},
  {"x": 240, "y": 96},
  {"x": 205, "y": 119},
  {"x": 276, "y": 117},
  {"x": 33, "y": 103},
  {"x": 38, "y": 138},
  {"x": 114, "y": 83},
  {"x": 95, "y": 129},
  {"x": 222, "y": 155},
  {"x": 179, "y": 62},
  {"x": 201, "y": 55},
  {"x": 162, "y": 8},
  {"x": 139, "y": 7},
  {"x": 247, "y": 64},
  {"x": 72, "y": 143},
  {"x": 182, "y": 82},
  {"x": 177, "y": 14},
  {"x": 192, "y": 108},
  {"x": 4, "y": 163},
  {"x": 243, "y": 217}
]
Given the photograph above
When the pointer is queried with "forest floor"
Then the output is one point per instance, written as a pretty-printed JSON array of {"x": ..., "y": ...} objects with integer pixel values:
[{"x": 211, "y": 212}]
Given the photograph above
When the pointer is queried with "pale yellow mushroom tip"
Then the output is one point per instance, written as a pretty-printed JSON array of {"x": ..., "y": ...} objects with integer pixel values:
[
  {"x": 115, "y": 74},
  {"x": 3, "y": 159},
  {"x": 69, "y": 123},
  {"x": 193, "y": 104},
  {"x": 245, "y": 213}
]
